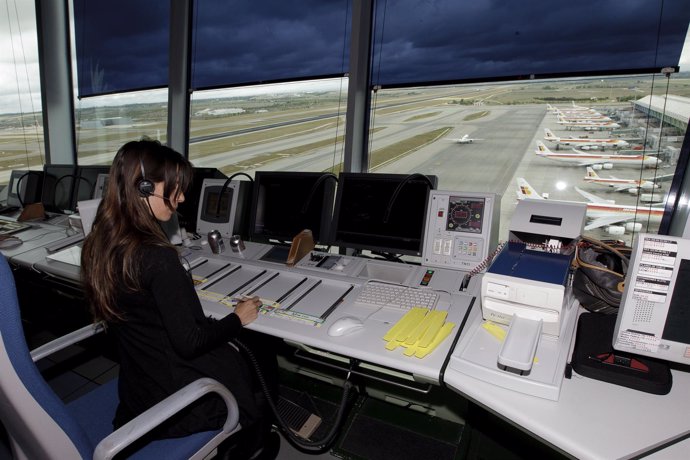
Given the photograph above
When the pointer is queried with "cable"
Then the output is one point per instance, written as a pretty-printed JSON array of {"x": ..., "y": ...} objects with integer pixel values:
[
  {"x": 399, "y": 188},
  {"x": 318, "y": 182},
  {"x": 19, "y": 188},
  {"x": 313, "y": 447},
  {"x": 225, "y": 187}
]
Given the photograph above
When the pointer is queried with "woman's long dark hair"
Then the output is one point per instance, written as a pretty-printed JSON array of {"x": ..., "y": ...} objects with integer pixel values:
[{"x": 124, "y": 222}]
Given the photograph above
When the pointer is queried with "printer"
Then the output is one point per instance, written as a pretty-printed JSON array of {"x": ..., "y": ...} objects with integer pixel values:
[{"x": 530, "y": 275}]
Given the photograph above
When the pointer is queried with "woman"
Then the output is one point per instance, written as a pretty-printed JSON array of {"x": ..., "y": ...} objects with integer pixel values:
[{"x": 135, "y": 282}]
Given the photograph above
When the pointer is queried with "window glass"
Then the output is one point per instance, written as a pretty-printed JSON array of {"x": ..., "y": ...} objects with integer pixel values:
[
  {"x": 485, "y": 137},
  {"x": 21, "y": 122},
  {"x": 105, "y": 123},
  {"x": 289, "y": 126}
]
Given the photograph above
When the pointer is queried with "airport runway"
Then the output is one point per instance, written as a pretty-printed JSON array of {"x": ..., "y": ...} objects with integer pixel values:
[{"x": 505, "y": 151}]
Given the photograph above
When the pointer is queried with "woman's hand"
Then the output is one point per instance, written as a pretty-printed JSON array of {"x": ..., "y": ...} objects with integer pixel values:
[{"x": 248, "y": 310}]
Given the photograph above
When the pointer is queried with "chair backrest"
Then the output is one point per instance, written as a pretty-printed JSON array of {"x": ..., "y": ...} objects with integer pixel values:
[{"x": 37, "y": 421}]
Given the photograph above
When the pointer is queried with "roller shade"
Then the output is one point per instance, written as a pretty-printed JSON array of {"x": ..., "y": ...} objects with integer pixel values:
[
  {"x": 483, "y": 40},
  {"x": 121, "y": 45},
  {"x": 248, "y": 42}
]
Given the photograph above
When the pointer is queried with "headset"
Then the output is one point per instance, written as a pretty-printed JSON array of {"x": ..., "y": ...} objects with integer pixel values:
[{"x": 144, "y": 186}]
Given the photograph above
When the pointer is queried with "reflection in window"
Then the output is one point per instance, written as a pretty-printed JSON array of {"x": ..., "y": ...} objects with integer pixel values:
[
  {"x": 21, "y": 140},
  {"x": 485, "y": 137},
  {"x": 104, "y": 123},
  {"x": 283, "y": 127}
]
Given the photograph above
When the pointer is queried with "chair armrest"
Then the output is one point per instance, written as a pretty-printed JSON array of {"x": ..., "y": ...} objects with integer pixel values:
[
  {"x": 66, "y": 340},
  {"x": 150, "y": 419}
]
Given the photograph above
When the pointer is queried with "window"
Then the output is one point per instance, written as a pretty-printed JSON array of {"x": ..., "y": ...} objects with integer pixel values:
[
  {"x": 484, "y": 137},
  {"x": 21, "y": 123},
  {"x": 105, "y": 123},
  {"x": 289, "y": 126}
]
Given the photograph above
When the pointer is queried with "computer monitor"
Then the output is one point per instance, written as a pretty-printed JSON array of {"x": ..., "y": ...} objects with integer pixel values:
[
  {"x": 381, "y": 212},
  {"x": 88, "y": 179},
  {"x": 654, "y": 314},
  {"x": 24, "y": 187},
  {"x": 226, "y": 213},
  {"x": 101, "y": 185},
  {"x": 58, "y": 188},
  {"x": 285, "y": 203},
  {"x": 187, "y": 211}
]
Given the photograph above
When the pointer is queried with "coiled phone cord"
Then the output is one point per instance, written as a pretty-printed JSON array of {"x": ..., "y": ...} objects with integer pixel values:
[{"x": 314, "y": 447}]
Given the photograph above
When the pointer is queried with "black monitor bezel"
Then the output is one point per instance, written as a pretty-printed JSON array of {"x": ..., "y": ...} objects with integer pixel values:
[
  {"x": 32, "y": 187},
  {"x": 88, "y": 176},
  {"x": 346, "y": 178},
  {"x": 321, "y": 235},
  {"x": 50, "y": 181}
]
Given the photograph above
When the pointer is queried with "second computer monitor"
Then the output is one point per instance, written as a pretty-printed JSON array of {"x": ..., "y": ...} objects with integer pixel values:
[
  {"x": 187, "y": 210},
  {"x": 285, "y": 203},
  {"x": 381, "y": 212},
  {"x": 85, "y": 188},
  {"x": 58, "y": 187}
]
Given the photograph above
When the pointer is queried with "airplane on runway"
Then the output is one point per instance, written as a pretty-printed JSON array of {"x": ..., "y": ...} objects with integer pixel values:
[
  {"x": 604, "y": 213},
  {"x": 621, "y": 185},
  {"x": 585, "y": 143},
  {"x": 466, "y": 139},
  {"x": 597, "y": 160},
  {"x": 588, "y": 125}
]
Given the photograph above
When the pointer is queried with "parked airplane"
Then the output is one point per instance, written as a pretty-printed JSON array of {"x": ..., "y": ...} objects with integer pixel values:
[
  {"x": 588, "y": 125},
  {"x": 582, "y": 117},
  {"x": 620, "y": 185},
  {"x": 466, "y": 139},
  {"x": 585, "y": 143},
  {"x": 574, "y": 109},
  {"x": 596, "y": 160},
  {"x": 604, "y": 213}
]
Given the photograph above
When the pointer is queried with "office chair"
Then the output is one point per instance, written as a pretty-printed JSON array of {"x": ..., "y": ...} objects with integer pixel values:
[{"x": 41, "y": 426}]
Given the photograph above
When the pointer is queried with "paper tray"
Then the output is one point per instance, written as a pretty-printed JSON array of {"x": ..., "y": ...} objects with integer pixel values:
[{"x": 477, "y": 352}]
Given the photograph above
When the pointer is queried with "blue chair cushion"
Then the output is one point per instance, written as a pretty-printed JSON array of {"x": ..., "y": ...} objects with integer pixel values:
[{"x": 96, "y": 410}]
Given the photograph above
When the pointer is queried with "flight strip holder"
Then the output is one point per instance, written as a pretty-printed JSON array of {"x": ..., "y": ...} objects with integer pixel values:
[
  {"x": 526, "y": 286},
  {"x": 227, "y": 213}
]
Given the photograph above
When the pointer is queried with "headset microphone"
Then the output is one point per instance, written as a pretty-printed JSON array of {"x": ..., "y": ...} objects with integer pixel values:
[{"x": 160, "y": 196}]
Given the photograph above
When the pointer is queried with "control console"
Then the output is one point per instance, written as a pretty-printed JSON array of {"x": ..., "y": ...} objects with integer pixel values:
[{"x": 461, "y": 229}]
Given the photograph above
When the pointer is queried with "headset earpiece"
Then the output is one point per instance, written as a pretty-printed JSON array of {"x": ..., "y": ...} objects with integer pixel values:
[{"x": 144, "y": 185}]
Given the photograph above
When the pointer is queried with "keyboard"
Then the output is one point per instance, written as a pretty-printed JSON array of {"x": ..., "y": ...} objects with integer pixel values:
[
  {"x": 64, "y": 242},
  {"x": 393, "y": 295}
]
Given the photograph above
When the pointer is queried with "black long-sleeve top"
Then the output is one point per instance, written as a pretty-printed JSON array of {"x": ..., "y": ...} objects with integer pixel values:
[{"x": 166, "y": 342}]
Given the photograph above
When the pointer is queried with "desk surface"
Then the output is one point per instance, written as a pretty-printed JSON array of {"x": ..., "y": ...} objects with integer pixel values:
[
  {"x": 591, "y": 419},
  {"x": 38, "y": 236}
]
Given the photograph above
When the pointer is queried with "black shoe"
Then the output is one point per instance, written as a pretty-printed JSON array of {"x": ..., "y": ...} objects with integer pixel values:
[{"x": 270, "y": 449}]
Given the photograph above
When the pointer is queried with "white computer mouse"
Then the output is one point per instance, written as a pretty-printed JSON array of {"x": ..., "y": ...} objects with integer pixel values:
[{"x": 345, "y": 325}]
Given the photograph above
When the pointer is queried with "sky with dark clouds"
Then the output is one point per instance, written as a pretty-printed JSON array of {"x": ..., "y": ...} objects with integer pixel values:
[{"x": 246, "y": 41}]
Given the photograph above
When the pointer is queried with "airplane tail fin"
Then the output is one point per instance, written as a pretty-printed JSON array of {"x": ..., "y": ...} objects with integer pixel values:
[
  {"x": 549, "y": 134},
  {"x": 526, "y": 191},
  {"x": 591, "y": 174},
  {"x": 542, "y": 149}
]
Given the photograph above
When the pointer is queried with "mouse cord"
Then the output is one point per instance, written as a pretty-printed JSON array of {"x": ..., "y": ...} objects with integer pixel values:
[{"x": 314, "y": 447}]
